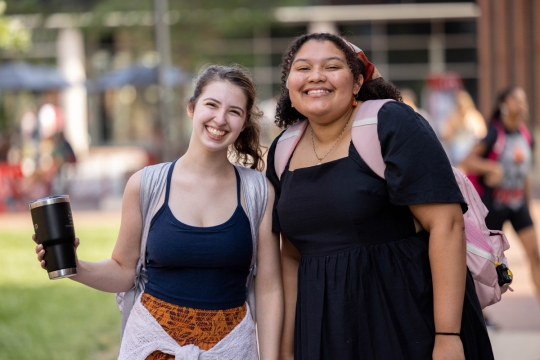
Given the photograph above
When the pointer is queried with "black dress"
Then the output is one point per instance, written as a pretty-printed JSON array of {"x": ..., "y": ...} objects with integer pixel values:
[{"x": 364, "y": 280}]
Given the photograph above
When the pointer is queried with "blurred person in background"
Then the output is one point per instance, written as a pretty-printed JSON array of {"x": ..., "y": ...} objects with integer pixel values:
[
  {"x": 409, "y": 97},
  {"x": 64, "y": 160},
  {"x": 463, "y": 128},
  {"x": 500, "y": 165},
  {"x": 10, "y": 174},
  {"x": 361, "y": 280},
  {"x": 38, "y": 142},
  {"x": 200, "y": 243}
]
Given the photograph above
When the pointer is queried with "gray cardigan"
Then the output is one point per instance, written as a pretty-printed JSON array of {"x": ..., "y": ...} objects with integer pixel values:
[{"x": 154, "y": 178}]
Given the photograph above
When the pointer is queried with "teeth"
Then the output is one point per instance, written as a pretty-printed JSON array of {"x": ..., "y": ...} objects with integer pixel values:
[
  {"x": 215, "y": 132},
  {"x": 318, "y": 92}
]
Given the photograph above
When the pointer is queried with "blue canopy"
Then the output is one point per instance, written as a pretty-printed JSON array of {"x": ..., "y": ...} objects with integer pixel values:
[
  {"x": 17, "y": 76},
  {"x": 137, "y": 75}
]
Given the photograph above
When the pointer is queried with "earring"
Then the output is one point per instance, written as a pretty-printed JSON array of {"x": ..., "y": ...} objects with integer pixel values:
[{"x": 354, "y": 103}]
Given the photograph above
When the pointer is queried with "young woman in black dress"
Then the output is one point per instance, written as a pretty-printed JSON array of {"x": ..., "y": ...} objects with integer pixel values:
[{"x": 362, "y": 281}]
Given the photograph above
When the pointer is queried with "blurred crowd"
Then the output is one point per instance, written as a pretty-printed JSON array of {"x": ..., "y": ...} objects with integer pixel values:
[{"x": 35, "y": 158}]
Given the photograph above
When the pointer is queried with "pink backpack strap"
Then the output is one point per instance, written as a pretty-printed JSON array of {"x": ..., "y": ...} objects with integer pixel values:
[
  {"x": 286, "y": 145},
  {"x": 365, "y": 137}
]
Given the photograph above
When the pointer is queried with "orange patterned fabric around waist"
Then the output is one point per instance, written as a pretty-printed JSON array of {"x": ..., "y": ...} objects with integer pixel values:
[{"x": 203, "y": 328}]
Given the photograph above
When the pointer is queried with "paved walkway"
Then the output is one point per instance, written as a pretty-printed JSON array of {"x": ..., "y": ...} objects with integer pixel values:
[{"x": 517, "y": 316}]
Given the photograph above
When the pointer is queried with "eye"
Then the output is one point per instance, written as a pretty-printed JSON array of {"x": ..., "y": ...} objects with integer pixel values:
[
  {"x": 211, "y": 104},
  {"x": 302, "y": 68},
  {"x": 236, "y": 112}
]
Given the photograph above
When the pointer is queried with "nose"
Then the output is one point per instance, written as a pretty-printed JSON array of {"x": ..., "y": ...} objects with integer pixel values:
[
  {"x": 221, "y": 117},
  {"x": 317, "y": 75}
]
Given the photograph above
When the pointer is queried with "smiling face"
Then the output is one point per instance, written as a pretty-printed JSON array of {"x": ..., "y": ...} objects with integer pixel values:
[
  {"x": 218, "y": 115},
  {"x": 321, "y": 84}
]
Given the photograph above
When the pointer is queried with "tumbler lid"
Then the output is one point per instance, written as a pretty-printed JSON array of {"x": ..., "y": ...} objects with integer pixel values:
[{"x": 48, "y": 201}]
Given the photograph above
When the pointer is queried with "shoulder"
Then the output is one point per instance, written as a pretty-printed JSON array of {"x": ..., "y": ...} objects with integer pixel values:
[
  {"x": 271, "y": 156},
  {"x": 248, "y": 171},
  {"x": 132, "y": 191},
  {"x": 153, "y": 172},
  {"x": 157, "y": 167},
  {"x": 272, "y": 148},
  {"x": 398, "y": 118},
  {"x": 396, "y": 112},
  {"x": 491, "y": 136},
  {"x": 396, "y": 108},
  {"x": 135, "y": 180},
  {"x": 252, "y": 177}
]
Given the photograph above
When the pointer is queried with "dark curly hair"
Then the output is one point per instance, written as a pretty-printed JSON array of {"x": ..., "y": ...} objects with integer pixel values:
[
  {"x": 379, "y": 88},
  {"x": 247, "y": 149}
]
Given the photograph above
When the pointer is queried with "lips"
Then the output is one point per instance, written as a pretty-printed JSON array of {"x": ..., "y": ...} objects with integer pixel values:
[
  {"x": 215, "y": 132},
  {"x": 317, "y": 92}
]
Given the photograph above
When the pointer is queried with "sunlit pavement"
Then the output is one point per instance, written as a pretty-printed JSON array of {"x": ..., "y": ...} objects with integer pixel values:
[{"x": 515, "y": 336}]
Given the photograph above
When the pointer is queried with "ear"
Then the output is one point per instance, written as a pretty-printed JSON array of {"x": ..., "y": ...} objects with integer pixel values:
[
  {"x": 190, "y": 109},
  {"x": 358, "y": 84}
]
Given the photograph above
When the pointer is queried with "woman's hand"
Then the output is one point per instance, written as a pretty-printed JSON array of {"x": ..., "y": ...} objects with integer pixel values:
[
  {"x": 40, "y": 251},
  {"x": 448, "y": 347},
  {"x": 116, "y": 274},
  {"x": 495, "y": 175}
]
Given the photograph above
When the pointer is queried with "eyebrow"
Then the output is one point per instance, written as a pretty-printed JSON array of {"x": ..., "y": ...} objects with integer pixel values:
[
  {"x": 219, "y": 102},
  {"x": 327, "y": 59}
]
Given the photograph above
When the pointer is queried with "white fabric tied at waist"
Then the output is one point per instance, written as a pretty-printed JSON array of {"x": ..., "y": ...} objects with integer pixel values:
[{"x": 143, "y": 335}]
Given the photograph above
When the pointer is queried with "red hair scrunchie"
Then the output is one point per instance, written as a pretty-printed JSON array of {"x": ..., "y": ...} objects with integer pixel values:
[{"x": 371, "y": 72}]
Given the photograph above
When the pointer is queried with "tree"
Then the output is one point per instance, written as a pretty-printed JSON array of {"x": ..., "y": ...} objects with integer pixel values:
[{"x": 13, "y": 35}]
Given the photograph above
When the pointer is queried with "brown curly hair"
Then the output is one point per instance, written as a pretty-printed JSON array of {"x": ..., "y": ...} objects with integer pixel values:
[
  {"x": 247, "y": 149},
  {"x": 379, "y": 88}
]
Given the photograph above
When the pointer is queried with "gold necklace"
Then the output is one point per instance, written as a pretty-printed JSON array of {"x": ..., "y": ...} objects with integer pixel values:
[{"x": 328, "y": 152}]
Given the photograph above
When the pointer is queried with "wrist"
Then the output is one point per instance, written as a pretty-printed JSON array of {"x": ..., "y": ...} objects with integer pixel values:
[{"x": 444, "y": 333}]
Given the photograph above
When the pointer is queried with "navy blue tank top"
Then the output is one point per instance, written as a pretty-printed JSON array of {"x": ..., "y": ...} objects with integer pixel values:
[{"x": 199, "y": 267}]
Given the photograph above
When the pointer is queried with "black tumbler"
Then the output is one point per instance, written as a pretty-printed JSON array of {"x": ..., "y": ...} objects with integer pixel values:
[{"x": 53, "y": 226}]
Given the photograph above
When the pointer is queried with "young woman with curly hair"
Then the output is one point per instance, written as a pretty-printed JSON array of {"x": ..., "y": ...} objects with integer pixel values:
[{"x": 373, "y": 268}]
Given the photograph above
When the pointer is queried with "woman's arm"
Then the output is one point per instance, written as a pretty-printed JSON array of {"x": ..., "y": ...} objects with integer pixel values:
[
  {"x": 475, "y": 163},
  {"x": 116, "y": 274},
  {"x": 447, "y": 257},
  {"x": 268, "y": 286},
  {"x": 290, "y": 260}
]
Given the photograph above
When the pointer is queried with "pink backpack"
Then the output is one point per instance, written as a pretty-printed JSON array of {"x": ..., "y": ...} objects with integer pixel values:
[{"x": 485, "y": 248}]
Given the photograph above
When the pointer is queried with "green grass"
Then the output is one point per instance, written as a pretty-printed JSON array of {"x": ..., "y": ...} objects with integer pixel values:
[{"x": 41, "y": 319}]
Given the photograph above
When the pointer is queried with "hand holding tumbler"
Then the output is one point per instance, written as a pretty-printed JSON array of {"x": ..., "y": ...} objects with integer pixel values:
[{"x": 53, "y": 226}]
